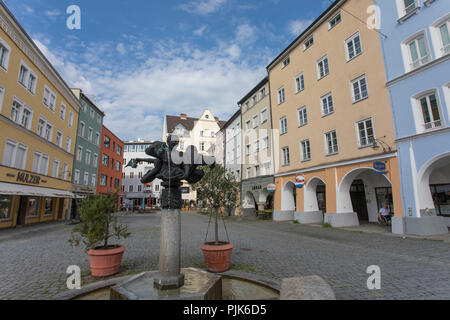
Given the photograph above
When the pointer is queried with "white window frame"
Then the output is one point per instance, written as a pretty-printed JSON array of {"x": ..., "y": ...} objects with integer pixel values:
[
  {"x": 77, "y": 177},
  {"x": 248, "y": 125},
  {"x": 286, "y": 62},
  {"x": 92, "y": 113},
  {"x": 62, "y": 111},
  {"x": 95, "y": 160},
  {"x": 436, "y": 36},
  {"x": 97, "y": 138},
  {"x": 305, "y": 154},
  {"x": 255, "y": 121},
  {"x": 302, "y": 116},
  {"x": 328, "y": 109},
  {"x": 88, "y": 157},
  {"x": 68, "y": 144},
  {"x": 249, "y": 172},
  {"x": 257, "y": 146},
  {"x": 334, "y": 147},
  {"x": 86, "y": 178},
  {"x": 70, "y": 119},
  {"x": 421, "y": 126},
  {"x": 93, "y": 180},
  {"x": 2, "y": 94},
  {"x": 403, "y": 14},
  {"x": 326, "y": 71},
  {"x": 283, "y": 128},
  {"x": 46, "y": 123},
  {"x": 334, "y": 19},
  {"x": 65, "y": 172},
  {"x": 16, "y": 146},
  {"x": 352, "y": 88},
  {"x": 47, "y": 98},
  {"x": 358, "y": 133},
  {"x": 4, "y": 66},
  {"x": 29, "y": 72},
  {"x": 266, "y": 142},
  {"x": 39, "y": 169},
  {"x": 56, "y": 138},
  {"x": 90, "y": 134},
  {"x": 20, "y": 113},
  {"x": 308, "y": 43},
  {"x": 82, "y": 129},
  {"x": 79, "y": 155},
  {"x": 351, "y": 40},
  {"x": 281, "y": 95},
  {"x": 299, "y": 82},
  {"x": 407, "y": 54},
  {"x": 264, "y": 117},
  {"x": 55, "y": 173},
  {"x": 285, "y": 156},
  {"x": 248, "y": 149}
]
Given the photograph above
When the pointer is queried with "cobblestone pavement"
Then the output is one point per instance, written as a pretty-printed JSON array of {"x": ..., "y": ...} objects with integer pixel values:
[{"x": 34, "y": 259}]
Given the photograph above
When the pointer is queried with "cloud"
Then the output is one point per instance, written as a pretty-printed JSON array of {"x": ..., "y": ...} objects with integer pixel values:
[
  {"x": 203, "y": 7},
  {"x": 52, "y": 14},
  {"x": 296, "y": 27},
  {"x": 199, "y": 32},
  {"x": 246, "y": 33},
  {"x": 169, "y": 78},
  {"x": 121, "y": 49}
]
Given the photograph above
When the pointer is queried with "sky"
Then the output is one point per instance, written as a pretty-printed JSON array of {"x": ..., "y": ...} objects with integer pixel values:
[{"x": 142, "y": 59}]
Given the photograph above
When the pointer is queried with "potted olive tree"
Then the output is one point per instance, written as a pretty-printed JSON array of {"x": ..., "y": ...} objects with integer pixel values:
[
  {"x": 98, "y": 225},
  {"x": 218, "y": 190}
]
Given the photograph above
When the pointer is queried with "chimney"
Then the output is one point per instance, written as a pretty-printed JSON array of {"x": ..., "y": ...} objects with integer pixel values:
[{"x": 183, "y": 116}]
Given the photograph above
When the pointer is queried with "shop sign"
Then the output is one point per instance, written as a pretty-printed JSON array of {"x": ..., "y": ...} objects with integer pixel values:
[
  {"x": 28, "y": 178},
  {"x": 271, "y": 187},
  {"x": 380, "y": 167},
  {"x": 184, "y": 189},
  {"x": 300, "y": 181},
  {"x": 256, "y": 188}
]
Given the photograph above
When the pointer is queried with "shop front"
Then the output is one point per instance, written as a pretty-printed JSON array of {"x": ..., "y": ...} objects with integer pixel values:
[
  {"x": 255, "y": 196},
  {"x": 345, "y": 194}
]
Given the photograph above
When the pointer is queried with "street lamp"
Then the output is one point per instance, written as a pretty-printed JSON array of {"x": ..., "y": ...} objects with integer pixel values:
[{"x": 375, "y": 146}]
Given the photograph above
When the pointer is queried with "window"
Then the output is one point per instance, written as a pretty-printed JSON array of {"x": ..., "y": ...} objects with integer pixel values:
[
  {"x": 55, "y": 171},
  {"x": 139, "y": 188},
  {"x": 105, "y": 160},
  {"x": 4, "y": 54},
  {"x": 65, "y": 171},
  {"x": 93, "y": 180},
  {"x": 2, "y": 92},
  {"x": 130, "y": 188},
  {"x": 201, "y": 133},
  {"x": 333, "y": 22},
  {"x": 247, "y": 149},
  {"x": 48, "y": 208},
  {"x": 5, "y": 203},
  {"x": 202, "y": 146},
  {"x": 70, "y": 119},
  {"x": 353, "y": 46},
  {"x": 68, "y": 143},
  {"x": 90, "y": 133},
  {"x": 444, "y": 37},
  {"x": 99, "y": 119},
  {"x": 305, "y": 150},
  {"x": 266, "y": 142},
  {"x": 27, "y": 78},
  {"x": 32, "y": 207},
  {"x": 249, "y": 172},
  {"x": 40, "y": 163},
  {"x": 283, "y": 125},
  {"x": 257, "y": 172},
  {"x": 308, "y": 43},
  {"x": 430, "y": 111},
  {"x": 327, "y": 104},
  {"x": 97, "y": 138},
  {"x": 255, "y": 99},
  {"x": 79, "y": 153},
  {"x": 281, "y": 95},
  {"x": 299, "y": 83},
  {"x": 255, "y": 121},
  {"x": 302, "y": 117},
  {"x": 21, "y": 114},
  {"x": 247, "y": 125},
  {"x": 45, "y": 129},
  {"x": 406, "y": 7},
  {"x": 116, "y": 183},
  {"x": 95, "y": 160},
  {"x": 359, "y": 89},
  {"x": 49, "y": 98},
  {"x": 418, "y": 52},
  {"x": 119, "y": 150},
  {"x": 83, "y": 106},
  {"x": 262, "y": 93},
  {"x": 247, "y": 106},
  {"x": 106, "y": 141},
  {"x": 103, "y": 180},
  {"x": 62, "y": 111},
  {"x": 77, "y": 177},
  {"x": 267, "y": 168},
  {"x": 15, "y": 155},
  {"x": 366, "y": 136},
  {"x": 86, "y": 179},
  {"x": 322, "y": 67},
  {"x": 88, "y": 157},
  {"x": 82, "y": 127},
  {"x": 286, "y": 62},
  {"x": 331, "y": 142},
  {"x": 257, "y": 146},
  {"x": 264, "y": 116},
  {"x": 59, "y": 138},
  {"x": 286, "y": 157},
  {"x": 117, "y": 166},
  {"x": 92, "y": 113}
]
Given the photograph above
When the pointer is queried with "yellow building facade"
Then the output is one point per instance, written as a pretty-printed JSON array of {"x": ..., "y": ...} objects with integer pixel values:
[
  {"x": 337, "y": 159},
  {"x": 38, "y": 126}
]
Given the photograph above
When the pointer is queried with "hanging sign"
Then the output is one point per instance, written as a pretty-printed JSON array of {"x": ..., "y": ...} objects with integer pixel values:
[
  {"x": 300, "y": 181},
  {"x": 271, "y": 187},
  {"x": 380, "y": 167}
]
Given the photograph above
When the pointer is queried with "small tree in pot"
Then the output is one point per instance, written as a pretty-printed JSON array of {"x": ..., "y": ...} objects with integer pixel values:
[
  {"x": 99, "y": 224},
  {"x": 218, "y": 190}
]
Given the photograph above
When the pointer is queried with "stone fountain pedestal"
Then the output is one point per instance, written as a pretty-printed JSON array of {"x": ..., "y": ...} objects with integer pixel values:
[{"x": 198, "y": 285}]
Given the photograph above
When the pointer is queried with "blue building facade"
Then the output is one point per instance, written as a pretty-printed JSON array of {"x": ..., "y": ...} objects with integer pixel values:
[{"x": 416, "y": 48}]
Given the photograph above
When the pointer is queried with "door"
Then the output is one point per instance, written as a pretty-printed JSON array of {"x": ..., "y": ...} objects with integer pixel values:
[
  {"x": 60, "y": 209},
  {"x": 22, "y": 213},
  {"x": 358, "y": 196},
  {"x": 321, "y": 198}
]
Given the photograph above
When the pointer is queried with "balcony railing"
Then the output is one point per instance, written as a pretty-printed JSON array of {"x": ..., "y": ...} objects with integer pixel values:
[
  {"x": 433, "y": 124},
  {"x": 420, "y": 62},
  {"x": 446, "y": 49}
]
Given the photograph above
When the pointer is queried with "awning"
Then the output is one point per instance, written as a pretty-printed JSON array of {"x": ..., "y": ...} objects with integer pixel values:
[
  {"x": 23, "y": 190},
  {"x": 138, "y": 195}
]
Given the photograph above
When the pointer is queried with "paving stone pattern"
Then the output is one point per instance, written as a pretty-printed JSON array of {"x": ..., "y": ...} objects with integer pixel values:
[{"x": 34, "y": 259}]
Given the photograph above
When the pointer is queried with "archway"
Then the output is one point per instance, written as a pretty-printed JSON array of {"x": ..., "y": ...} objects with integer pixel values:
[
  {"x": 434, "y": 186},
  {"x": 249, "y": 205},
  {"x": 364, "y": 191},
  {"x": 315, "y": 195},
  {"x": 288, "y": 197}
]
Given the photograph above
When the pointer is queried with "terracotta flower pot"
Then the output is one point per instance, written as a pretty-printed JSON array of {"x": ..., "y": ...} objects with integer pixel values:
[
  {"x": 105, "y": 262},
  {"x": 217, "y": 257}
]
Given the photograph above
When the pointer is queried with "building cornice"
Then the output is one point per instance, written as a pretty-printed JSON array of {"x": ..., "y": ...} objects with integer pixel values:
[
  {"x": 424, "y": 134},
  {"x": 19, "y": 36},
  {"x": 338, "y": 164},
  {"x": 420, "y": 69}
]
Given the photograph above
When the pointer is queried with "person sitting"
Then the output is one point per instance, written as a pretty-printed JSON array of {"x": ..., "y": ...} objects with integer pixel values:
[{"x": 384, "y": 214}]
